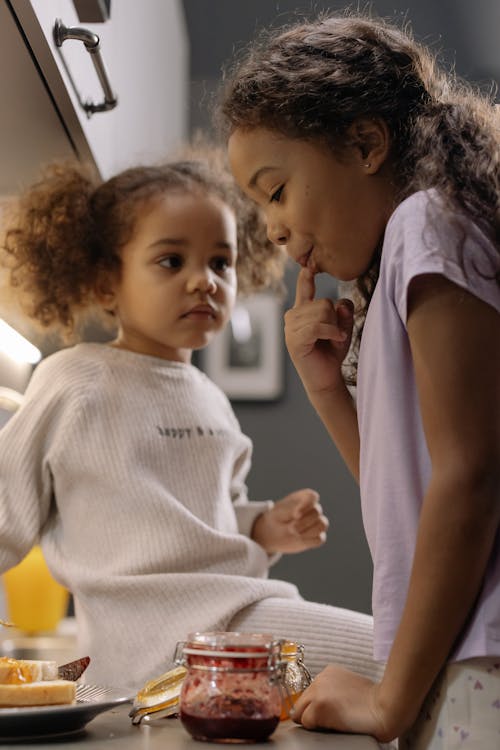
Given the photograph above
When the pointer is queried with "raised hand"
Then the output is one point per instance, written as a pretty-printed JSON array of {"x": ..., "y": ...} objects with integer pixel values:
[
  {"x": 295, "y": 523},
  {"x": 318, "y": 334}
]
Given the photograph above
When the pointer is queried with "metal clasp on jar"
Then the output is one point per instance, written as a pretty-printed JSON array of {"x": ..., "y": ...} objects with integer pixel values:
[{"x": 295, "y": 675}]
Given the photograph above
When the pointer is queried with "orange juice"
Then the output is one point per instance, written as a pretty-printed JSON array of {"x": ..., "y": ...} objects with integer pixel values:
[{"x": 35, "y": 601}]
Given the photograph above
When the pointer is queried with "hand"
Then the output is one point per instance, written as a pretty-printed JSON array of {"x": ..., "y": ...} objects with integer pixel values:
[
  {"x": 344, "y": 701},
  {"x": 295, "y": 523},
  {"x": 318, "y": 335}
]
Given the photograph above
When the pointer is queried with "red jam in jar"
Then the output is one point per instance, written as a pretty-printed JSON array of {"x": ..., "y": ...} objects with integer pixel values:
[{"x": 232, "y": 690}]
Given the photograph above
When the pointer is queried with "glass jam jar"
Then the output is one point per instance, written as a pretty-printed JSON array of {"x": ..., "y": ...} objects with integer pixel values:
[
  {"x": 295, "y": 675},
  {"x": 232, "y": 691}
]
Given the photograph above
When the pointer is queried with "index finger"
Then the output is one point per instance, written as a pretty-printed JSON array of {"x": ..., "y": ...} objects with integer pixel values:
[{"x": 305, "y": 288}]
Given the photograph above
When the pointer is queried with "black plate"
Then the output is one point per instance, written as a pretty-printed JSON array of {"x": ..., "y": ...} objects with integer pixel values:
[{"x": 38, "y": 722}]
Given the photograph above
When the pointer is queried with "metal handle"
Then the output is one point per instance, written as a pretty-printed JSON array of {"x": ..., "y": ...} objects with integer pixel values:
[{"x": 91, "y": 42}]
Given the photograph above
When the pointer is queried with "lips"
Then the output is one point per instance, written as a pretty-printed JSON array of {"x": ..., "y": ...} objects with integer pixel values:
[
  {"x": 201, "y": 310},
  {"x": 303, "y": 259},
  {"x": 307, "y": 261},
  {"x": 311, "y": 264}
]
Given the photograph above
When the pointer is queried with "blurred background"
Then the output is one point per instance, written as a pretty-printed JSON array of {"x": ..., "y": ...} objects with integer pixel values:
[{"x": 166, "y": 58}]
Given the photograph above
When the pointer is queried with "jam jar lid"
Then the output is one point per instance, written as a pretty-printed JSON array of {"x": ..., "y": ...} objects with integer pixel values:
[
  {"x": 230, "y": 643},
  {"x": 229, "y": 650}
]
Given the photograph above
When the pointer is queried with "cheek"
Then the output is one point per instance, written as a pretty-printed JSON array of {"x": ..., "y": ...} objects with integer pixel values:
[
  {"x": 229, "y": 286},
  {"x": 310, "y": 216},
  {"x": 230, "y": 300}
]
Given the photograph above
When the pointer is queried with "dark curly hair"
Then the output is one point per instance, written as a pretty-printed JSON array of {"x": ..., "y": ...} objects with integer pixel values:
[
  {"x": 313, "y": 80},
  {"x": 65, "y": 234}
]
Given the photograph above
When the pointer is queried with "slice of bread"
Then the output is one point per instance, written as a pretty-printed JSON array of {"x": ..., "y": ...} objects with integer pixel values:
[
  {"x": 51, "y": 692},
  {"x": 14, "y": 671}
]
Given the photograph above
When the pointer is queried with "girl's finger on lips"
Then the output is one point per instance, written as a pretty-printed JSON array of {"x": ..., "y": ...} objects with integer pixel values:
[{"x": 305, "y": 288}]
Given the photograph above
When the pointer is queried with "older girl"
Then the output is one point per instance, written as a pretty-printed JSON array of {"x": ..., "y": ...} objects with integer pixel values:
[{"x": 375, "y": 167}]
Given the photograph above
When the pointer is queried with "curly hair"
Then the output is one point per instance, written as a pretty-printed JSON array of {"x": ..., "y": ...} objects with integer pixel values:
[
  {"x": 65, "y": 234},
  {"x": 313, "y": 80}
]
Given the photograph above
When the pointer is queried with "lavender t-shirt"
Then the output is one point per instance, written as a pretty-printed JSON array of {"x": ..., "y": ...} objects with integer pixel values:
[{"x": 394, "y": 462}]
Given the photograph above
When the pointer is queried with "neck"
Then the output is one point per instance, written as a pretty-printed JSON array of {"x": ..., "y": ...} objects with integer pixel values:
[{"x": 172, "y": 355}]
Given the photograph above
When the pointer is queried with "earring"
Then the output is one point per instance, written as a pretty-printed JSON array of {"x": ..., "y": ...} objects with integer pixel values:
[{"x": 367, "y": 165}]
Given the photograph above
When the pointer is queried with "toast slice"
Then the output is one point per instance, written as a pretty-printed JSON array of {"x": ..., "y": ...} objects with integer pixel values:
[
  {"x": 49, "y": 693},
  {"x": 16, "y": 671}
]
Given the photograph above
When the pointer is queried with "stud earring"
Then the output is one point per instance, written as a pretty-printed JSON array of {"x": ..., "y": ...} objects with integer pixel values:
[{"x": 367, "y": 165}]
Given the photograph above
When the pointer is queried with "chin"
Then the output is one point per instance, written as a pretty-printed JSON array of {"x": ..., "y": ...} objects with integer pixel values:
[{"x": 201, "y": 341}]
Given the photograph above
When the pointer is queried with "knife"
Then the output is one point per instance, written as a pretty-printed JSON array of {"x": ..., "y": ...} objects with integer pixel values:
[{"x": 73, "y": 669}]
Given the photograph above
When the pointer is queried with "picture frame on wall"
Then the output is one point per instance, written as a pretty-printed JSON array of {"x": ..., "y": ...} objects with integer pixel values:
[{"x": 246, "y": 360}]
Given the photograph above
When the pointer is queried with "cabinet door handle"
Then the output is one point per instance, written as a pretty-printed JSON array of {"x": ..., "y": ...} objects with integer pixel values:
[{"x": 91, "y": 42}]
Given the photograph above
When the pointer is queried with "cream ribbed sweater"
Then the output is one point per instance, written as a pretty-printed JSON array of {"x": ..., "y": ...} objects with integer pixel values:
[{"x": 131, "y": 472}]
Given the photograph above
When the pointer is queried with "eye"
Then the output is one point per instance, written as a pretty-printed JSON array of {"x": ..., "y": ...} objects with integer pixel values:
[
  {"x": 173, "y": 261},
  {"x": 220, "y": 264},
  {"x": 277, "y": 195}
]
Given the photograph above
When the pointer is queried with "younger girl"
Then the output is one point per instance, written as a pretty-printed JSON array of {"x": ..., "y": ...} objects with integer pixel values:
[
  {"x": 371, "y": 165},
  {"x": 125, "y": 460}
]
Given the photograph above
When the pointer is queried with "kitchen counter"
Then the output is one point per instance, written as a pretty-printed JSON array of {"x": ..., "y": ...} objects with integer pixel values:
[{"x": 113, "y": 730}]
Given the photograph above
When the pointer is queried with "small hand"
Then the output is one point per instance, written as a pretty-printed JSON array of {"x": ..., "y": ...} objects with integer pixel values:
[
  {"x": 343, "y": 701},
  {"x": 295, "y": 523},
  {"x": 318, "y": 334}
]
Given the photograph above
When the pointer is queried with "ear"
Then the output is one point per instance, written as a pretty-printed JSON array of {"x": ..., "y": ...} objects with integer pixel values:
[
  {"x": 104, "y": 294},
  {"x": 371, "y": 141}
]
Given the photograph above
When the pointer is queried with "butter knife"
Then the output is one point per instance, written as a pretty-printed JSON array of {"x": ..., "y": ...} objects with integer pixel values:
[{"x": 73, "y": 669}]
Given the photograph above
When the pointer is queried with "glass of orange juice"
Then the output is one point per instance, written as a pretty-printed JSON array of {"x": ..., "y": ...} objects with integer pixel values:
[{"x": 35, "y": 601}]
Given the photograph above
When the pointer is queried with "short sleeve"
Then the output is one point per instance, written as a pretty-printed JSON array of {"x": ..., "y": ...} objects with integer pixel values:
[{"x": 424, "y": 238}]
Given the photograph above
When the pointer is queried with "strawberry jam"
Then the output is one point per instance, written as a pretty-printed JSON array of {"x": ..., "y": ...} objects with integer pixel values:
[
  {"x": 229, "y": 730},
  {"x": 231, "y": 692}
]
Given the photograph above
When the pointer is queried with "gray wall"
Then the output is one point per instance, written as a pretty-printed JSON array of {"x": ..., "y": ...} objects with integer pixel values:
[{"x": 291, "y": 447}]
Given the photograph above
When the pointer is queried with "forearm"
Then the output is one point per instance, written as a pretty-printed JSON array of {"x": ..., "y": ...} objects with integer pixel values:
[
  {"x": 337, "y": 411},
  {"x": 456, "y": 533}
]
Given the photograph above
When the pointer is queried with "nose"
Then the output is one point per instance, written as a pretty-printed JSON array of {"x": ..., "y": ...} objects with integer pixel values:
[
  {"x": 202, "y": 281},
  {"x": 277, "y": 233}
]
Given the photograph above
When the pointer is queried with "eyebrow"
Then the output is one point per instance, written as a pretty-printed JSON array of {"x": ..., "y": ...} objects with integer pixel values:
[
  {"x": 258, "y": 174},
  {"x": 182, "y": 242},
  {"x": 176, "y": 241}
]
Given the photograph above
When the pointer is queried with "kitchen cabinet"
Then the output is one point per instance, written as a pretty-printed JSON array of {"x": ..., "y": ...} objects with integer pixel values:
[{"x": 144, "y": 46}]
